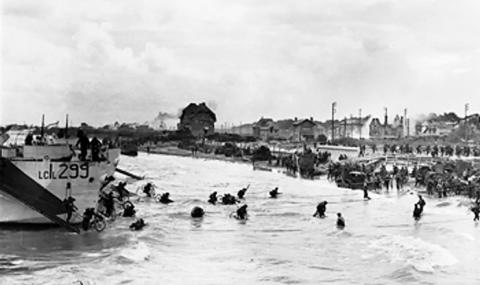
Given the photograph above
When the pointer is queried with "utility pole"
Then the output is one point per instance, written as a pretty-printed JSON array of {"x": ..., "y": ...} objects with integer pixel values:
[
  {"x": 43, "y": 126},
  {"x": 345, "y": 127},
  {"x": 360, "y": 123},
  {"x": 466, "y": 122},
  {"x": 334, "y": 104},
  {"x": 351, "y": 125},
  {"x": 405, "y": 128},
  {"x": 386, "y": 116},
  {"x": 408, "y": 127},
  {"x": 66, "y": 127}
]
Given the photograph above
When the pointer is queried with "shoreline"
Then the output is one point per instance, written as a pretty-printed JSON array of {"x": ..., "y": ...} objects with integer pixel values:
[
  {"x": 175, "y": 151},
  {"x": 264, "y": 166}
]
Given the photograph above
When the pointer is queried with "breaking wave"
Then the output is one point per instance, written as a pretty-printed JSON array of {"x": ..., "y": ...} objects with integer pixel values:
[{"x": 411, "y": 251}]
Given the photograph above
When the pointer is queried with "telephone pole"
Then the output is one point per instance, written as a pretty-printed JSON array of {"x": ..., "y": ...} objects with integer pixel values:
[
  {"x": 466, "y": 122},
  {"x": 42, "y": 131},
  {"x": 360, "y": 123},
  {"x": 352, "y": 125},
  {"x": 386, "y": 116},
  {"x": 66, "y": 127},
  {"x": 334, "y": 104}
]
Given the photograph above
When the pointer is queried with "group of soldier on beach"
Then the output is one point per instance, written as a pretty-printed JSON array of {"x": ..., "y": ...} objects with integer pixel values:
[
  {"x": 434, "y": 150},
  {"x": 374, "y": 177}
]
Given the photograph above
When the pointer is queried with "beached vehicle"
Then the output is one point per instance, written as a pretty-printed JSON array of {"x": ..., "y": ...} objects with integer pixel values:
[
  {"x": 421, "y": 175},
  {"x": 129, "y": 149},
  {"x": 35, "y": 179},
  {"x": 353, "y": 180}
]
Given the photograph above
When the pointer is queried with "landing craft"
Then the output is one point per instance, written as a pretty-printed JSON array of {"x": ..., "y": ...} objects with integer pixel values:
[{"x": 33, "y": 180}]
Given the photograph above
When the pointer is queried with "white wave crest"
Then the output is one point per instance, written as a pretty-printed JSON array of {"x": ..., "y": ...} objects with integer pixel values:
[{"x": 423, "y": 256}]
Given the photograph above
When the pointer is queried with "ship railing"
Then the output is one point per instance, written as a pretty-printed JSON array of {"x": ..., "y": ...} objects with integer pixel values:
[{"x": 18, "y": 153}]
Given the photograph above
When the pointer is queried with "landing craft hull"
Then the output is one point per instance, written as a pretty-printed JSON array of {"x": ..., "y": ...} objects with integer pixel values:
[{"x": 85, "y": 177}]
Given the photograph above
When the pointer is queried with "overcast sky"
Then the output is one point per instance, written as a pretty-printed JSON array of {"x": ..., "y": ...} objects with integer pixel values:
[{"x": 106, "y": 61}]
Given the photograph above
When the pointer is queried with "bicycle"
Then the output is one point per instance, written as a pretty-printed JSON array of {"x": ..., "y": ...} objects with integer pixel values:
[{"x": 98, "y": 223}]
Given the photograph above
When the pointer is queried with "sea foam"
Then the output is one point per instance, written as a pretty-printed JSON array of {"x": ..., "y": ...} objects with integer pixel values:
[{"x": 421, "y": 255}]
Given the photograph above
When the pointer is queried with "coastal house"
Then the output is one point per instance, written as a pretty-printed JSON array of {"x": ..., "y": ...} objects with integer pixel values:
[
  {"x": 434, "y": 128},
  {"x": 285, "y": 129},
  {"x": 199, "y": 119},
  {"x": 353, "y": 127},
  {"x": 243, "y": 130},
  {"x": 442, "y": 125},
  {"x": 377, "y": 130},
  {"x": 288, "y": 129},
  {"x": 300, "y": 130},
  {"x": 265, "y": 129},
  {"x": 304, "y": 130}
]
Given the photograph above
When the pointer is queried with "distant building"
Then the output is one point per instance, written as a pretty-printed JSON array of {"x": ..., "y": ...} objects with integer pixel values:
[
  {"x": 265, "y": 129},
  {"x": 285, "y": 129},
  {"x": 434, "y": 128},
  {"x": 385, "y": 130},
  {"x": 288, "y": 129},
  {"x": 353, "y": 127},
  {"x": 376, "y": 128},
  {"x": 243, "y": 130},
  {"x": 199, "y": 119},
  {"x": 444, "y": 125},
  {"x": 304, "y": 130}
]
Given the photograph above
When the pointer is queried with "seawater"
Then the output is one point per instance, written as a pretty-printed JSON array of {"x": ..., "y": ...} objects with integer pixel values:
[{"x": 280, "y": 243}]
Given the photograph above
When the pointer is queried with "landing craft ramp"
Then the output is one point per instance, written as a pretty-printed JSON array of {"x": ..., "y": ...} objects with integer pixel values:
[{"x": 20, "y": 186}]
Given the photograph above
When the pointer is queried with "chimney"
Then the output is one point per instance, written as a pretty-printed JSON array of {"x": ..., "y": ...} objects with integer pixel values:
[
  {"x": 311, "y": 119},
  {"x": 295, "y": 119}
]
